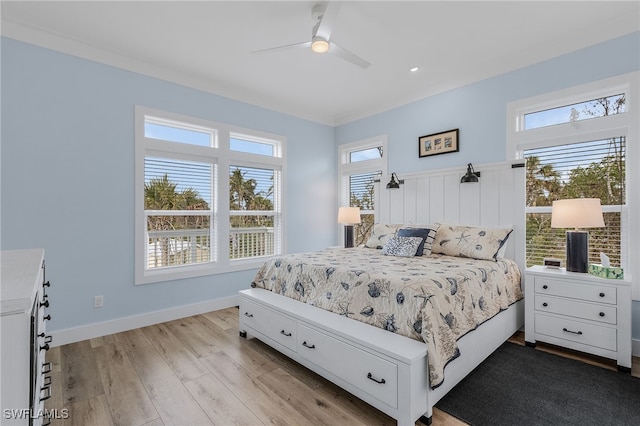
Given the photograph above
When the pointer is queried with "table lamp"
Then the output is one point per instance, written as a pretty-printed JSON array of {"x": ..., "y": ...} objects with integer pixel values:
[
  {"x": 577, "y": 213},
  {"x": 348, "y": 216}
]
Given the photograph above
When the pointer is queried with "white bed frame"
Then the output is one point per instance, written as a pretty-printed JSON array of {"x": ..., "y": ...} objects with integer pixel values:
[{"x": 357, "y": 356}]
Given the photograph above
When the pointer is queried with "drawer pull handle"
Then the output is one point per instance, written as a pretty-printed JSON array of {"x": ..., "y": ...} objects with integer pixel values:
[
  {"x": 47, "y": 284},
  {"x": 601, "y": 294},
  {"x": 545, "y": 286},
  {"x": 284, "y": 333},
  {"x": 310, "y": 347},
  {"x": 381, "y": 381},
  {"x": 247, "y": 314},
  {"x": 46, "y": 368},
  {"x": 47, "y": 381},
  {"x": 48, "y": 393},
  {"x": 47, "y": 317},
  {"x": 545, "y": 304},
  {"x": 601, "y": 314},
  {"x": 45, "y": 303},
  {"x": 574, "y": 332},
  {"x": 45, "y": 347}
]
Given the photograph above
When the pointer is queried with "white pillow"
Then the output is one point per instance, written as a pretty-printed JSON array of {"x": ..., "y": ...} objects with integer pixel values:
[
  {"x": 380, "y": 233},
  {"x": 476, "y": 242}
]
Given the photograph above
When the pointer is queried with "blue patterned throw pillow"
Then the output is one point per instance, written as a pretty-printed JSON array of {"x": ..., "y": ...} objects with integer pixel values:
[
  {"x": 401, "y": 246},
  {"x": 427, "y": 235}
]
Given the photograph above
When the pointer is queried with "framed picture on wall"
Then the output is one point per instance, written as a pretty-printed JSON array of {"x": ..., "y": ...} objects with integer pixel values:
[{"x": 438, "y": 143}]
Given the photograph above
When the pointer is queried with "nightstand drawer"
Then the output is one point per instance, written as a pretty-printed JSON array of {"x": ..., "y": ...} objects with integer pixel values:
[
  {"x": 581, "y": 291},
  {"x": 576, "y": 331},
  {"x": 578, "y": 309}
]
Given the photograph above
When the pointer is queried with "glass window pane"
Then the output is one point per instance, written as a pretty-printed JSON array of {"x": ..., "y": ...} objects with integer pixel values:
[
  {"x": 251, "y": 147},
  {"x": 600, "y": 107},
  {"x": 251, "y": 188},
  {"x": 170, "y": 133},
  {"x": 365, "y": 154},
  {"x": 176, "y": 185},
  {"x": 177, "y": 240},
  {"x": 362, "y": 230},
  {"x": 361, "y": 190},
  {"x": 543, "y": 241},
  {"x": 593, "y": 169},
  {"x": 251, "y": 236}
]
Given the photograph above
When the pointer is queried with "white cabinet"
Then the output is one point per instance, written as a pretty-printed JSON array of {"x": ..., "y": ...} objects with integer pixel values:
[
  {"x": 24, "y": 383},
  {"x": 579, "y": 311},
  {"x": 386, "y": 370}
]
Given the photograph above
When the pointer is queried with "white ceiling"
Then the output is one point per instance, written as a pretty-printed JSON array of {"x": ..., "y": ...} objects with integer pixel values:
[{"x": 208, "y": 45}]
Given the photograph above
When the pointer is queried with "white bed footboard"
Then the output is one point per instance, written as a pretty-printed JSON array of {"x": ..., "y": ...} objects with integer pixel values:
[
  {"x": 383, "y": 369},
  {"x": 386, "y": 370}
]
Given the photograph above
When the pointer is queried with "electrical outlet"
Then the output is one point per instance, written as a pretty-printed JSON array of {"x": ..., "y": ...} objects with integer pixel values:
[{"x": 98, "y": 301}]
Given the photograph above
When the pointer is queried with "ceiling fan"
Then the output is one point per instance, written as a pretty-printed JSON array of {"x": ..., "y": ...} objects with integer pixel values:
[{"x": 324, "y": 16}]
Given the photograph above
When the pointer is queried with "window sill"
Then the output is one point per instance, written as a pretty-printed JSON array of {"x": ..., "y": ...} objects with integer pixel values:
[{"x": 179, "y": 273}]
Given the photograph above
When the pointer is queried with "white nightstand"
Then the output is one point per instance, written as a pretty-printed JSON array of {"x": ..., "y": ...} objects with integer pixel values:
[{"x": 579, "y": 311}]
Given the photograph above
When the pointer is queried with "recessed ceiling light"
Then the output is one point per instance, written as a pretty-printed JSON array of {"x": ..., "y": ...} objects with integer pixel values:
[{"x": 414, "y": 69}]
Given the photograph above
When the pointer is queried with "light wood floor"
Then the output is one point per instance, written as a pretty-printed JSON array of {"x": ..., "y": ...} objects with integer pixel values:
[{"x": 198, "y": 371}]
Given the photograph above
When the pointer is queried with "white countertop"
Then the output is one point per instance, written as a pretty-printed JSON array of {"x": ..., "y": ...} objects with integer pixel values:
[{"x": 19, "y": 275}]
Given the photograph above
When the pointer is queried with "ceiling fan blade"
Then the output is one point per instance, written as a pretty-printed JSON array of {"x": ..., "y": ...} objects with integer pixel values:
[
  {"x": 304, "y": 44},
  {"x": 348, "y": 56},
  {"x": 328, "y": 17}
]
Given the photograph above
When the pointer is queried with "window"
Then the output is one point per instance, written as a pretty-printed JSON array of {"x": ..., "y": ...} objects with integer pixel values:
[
  {"x": 575, "y": 143},
  {"x": 253, "y": 216},
  {"x": 594, "y": 169},
  {"x": 360, "y": 164},
  {"x": 601, "y": 107},
  {"x": 185, "y": 224},
  {"x": 177, "y": 203}
]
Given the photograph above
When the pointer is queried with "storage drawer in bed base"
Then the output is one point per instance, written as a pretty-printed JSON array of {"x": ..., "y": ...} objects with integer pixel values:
[{"x": 392, "y": 370}]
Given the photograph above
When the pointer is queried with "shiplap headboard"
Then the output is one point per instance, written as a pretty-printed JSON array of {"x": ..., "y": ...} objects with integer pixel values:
[{"x": 498, "y": 199}]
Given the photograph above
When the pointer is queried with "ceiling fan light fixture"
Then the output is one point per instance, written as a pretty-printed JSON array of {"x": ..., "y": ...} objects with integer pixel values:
[{"x": 319, "y": 45}]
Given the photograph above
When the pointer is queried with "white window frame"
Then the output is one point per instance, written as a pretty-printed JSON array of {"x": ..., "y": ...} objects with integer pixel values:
[
  {"x": 221, "y": 157},
  {"x": 625, "y": 124},
  {"x": 346, "y": 168}
]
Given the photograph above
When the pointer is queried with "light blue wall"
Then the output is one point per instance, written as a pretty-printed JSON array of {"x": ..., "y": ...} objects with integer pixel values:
[
  {"x": 479, "y": 111},
  {"x": 67, "y": 176}
]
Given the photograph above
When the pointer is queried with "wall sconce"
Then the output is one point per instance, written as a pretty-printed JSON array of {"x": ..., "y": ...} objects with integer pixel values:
[
  {"x": 348, "y": 216},
  {"x": 471, "y": 176},
  {"x": 577, "y": 213},
  {"x": 393, "y": 183}
]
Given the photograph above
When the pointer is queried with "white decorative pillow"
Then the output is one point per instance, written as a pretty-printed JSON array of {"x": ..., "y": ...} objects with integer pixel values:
[
  {"x": 402, "y": 246},
  {"x": 380, "y": 234},
  {"x": 476, "y": 242}
]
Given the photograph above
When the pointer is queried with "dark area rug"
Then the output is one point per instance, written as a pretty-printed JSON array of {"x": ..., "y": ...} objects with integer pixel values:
[{"x": 518, "y": 385}]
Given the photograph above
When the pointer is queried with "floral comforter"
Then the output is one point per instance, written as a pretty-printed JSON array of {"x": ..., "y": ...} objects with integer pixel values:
[{"x": 436, "y": 298}]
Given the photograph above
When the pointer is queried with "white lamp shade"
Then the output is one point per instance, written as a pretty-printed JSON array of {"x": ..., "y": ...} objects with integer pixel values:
[
  {"x": 349, "y": 215},
  {"x": 577, "y": 213}
]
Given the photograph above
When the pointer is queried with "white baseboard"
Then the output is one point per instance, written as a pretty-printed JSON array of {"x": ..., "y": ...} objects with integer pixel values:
[
  {"x": 90, "y": 331},
  {"x": 635, "y": 347}
]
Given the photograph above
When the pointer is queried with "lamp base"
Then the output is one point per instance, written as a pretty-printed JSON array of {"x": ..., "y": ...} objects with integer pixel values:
[
  {"x": 578, "y": 251},
  {"x": 348, "y": 236}
]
